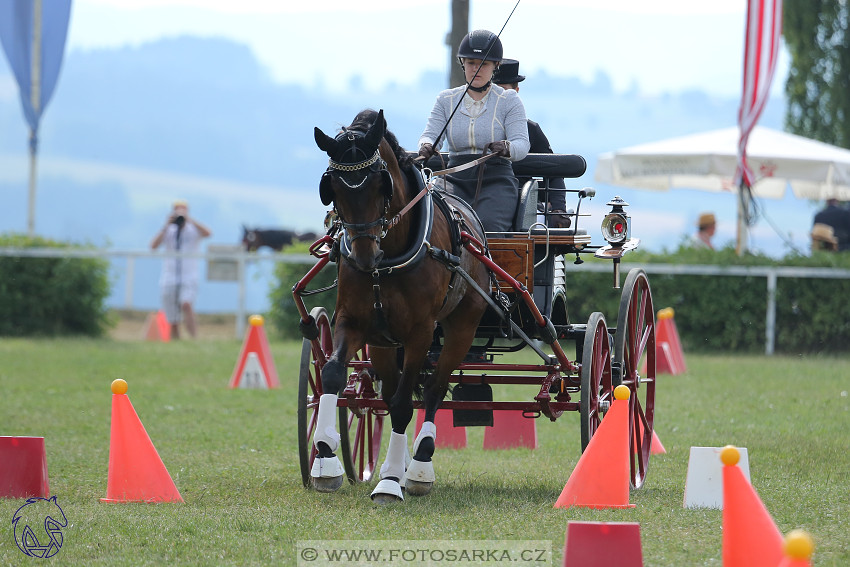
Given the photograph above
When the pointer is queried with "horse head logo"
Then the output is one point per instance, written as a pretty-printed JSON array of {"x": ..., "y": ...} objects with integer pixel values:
[{"x": 38, "y": 527}]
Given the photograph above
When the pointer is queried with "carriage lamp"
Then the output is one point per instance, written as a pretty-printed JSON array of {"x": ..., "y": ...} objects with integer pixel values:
[{"x": 615, "y": 226}]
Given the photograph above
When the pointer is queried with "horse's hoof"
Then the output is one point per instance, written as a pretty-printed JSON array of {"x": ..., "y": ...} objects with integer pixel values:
[
  {"x": 327, "y": 484},
  {"x": 387, "y": 492},
  {"x": 384, "y": 499},
  {"x": 416, "y": 488}
]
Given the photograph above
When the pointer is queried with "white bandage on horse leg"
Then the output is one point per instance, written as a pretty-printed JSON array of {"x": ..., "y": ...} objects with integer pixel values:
[
  {"x": 394, "y": 465},
  {"x": 326, "y": 422},
  {"x": 428, "y": 430}
]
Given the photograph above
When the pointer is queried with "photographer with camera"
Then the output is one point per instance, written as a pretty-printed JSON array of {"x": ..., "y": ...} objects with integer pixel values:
[{"x": 178, "y": 281}]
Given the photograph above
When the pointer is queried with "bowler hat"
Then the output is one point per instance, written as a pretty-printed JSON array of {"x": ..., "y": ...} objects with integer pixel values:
[{"x": 508, "y": 72}]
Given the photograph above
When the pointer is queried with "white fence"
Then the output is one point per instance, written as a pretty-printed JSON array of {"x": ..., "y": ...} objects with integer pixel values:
[{"x": 231, "y": 262}]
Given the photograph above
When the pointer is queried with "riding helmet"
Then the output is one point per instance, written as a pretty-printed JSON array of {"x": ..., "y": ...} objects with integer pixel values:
[{"x": 480, "y": 44}]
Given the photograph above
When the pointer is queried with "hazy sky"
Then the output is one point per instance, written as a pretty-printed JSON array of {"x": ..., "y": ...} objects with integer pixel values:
[{"x": 662, "y": 45}]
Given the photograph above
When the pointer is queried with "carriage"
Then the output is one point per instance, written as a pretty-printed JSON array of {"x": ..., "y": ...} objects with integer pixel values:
[{"x": 527, "y": 309}]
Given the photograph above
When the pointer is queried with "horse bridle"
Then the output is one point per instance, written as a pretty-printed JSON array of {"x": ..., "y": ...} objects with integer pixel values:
[{"x": 377, "y": 165}]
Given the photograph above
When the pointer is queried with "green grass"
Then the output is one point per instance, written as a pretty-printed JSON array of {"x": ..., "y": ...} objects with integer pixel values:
[{"x": 233, "y": 456}]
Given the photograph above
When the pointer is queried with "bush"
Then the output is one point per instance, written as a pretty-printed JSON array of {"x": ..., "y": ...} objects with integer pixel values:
[
  {"x": 284, "y": 315},
  {"x": 727, "y": 313},
  {"x": 51, "y": 296},
  {"x": 712, "y": 313}
]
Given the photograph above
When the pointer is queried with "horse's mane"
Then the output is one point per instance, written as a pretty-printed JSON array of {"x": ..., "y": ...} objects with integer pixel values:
[{"x": 364, "y": 120}]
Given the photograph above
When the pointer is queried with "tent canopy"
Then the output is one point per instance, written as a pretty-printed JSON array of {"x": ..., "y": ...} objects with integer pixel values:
[{"x": 708, "y": 161}]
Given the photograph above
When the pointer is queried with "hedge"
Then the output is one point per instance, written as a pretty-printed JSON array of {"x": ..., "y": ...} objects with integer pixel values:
[
  {"x": 51, "y": 296},
  {"x": 712, "y": 313}
]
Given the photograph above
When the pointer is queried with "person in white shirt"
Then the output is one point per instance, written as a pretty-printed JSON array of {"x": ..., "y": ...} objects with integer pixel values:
[
  {"x": 178, "y": 282},
  {"x": 489, "y": 119}
]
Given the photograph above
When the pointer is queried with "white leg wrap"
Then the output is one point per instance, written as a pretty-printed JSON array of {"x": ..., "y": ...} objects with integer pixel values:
[
  {"x": 428, "y": 430},
  {"x": 327, "y": 467},
  {"x": 394, "y": 461},
  {"x": 326, "y": 422},
  {"x": 421, "y": 472}
]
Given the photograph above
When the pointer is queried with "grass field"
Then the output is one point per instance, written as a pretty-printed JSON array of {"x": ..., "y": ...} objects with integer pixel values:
[{"x": 233, "y": 456}]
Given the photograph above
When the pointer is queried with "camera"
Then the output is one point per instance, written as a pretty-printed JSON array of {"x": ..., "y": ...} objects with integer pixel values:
[{"x": 179, "y": 220}]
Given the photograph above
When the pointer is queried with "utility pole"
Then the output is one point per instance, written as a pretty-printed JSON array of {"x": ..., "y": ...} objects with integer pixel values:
[{"x": 460, "y": 27}]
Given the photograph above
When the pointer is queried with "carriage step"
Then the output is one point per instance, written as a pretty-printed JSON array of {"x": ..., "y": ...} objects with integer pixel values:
[{"x": 472, "y": 393}]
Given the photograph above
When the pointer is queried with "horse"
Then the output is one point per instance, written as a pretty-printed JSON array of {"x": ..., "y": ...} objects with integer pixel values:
[
  {"x": 394, "y": 286},
  {"x": 254, "y": 238}
]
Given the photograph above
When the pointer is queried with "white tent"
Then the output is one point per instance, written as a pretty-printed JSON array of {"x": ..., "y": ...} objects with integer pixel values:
[{"x": 708, "y": 160}]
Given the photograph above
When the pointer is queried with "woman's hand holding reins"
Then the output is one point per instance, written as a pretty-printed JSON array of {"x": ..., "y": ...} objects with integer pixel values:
[{"x": 501, "y": 148}]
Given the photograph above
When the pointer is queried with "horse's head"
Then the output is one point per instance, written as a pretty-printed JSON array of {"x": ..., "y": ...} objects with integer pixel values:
[
  {"x": 249, "y": 238},
  {"x": 359, "y": 184}
]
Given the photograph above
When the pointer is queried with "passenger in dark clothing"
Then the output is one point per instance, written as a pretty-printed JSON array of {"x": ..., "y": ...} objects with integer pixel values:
[
  {"x": 839, "y": 219},
  {"x": 507, "y": 76}
]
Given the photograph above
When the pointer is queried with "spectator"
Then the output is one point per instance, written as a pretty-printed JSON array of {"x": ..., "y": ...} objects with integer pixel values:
[
  {"x": 178, "y": 281},
  {"x": 839, "y": 219},
  {"x": 507, "y": 76},
  {"x": 706, "y": 226},
  {"x": 823, "y": 238},
  {"x": 489, "y": 119}
]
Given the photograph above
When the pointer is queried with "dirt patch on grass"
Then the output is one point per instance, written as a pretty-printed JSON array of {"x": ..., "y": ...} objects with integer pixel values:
[{"x": 132, "y": 325}]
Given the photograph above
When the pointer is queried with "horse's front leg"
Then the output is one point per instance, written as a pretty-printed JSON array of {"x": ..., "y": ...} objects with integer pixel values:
[
  {"x": 328, "y": 473},
  {"x": 389, "y": 488}
]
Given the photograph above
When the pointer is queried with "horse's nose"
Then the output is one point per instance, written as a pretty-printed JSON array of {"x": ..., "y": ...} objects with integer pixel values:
[{"x": 372, "y": 262}]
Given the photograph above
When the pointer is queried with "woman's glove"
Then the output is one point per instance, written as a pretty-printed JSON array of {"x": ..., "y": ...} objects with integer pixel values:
[
  {"x": 426, "y": 151},
  {"x": 500, "y": 148}
]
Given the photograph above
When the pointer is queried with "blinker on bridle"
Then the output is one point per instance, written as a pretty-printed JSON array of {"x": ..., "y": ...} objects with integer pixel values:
[{"x": 360, "y": 229}]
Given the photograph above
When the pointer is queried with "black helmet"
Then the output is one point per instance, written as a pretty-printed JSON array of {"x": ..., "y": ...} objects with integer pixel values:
[{"x": 480, "y": 44}]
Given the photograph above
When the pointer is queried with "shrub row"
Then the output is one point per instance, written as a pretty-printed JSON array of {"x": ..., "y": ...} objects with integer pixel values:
[
  {"x": 712, "y": 313},
  {"x": 51, "y": 296}
]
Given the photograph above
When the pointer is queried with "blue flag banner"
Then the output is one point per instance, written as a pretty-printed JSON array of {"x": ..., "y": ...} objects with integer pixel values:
[{"x": 33, "y": 36}]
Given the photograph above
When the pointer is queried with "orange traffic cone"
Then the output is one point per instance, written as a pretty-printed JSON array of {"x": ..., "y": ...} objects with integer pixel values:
[
  {"x": 157, "y": 327},
  {"x": 798, "y": 549},
  {"x": 750, "y": 537},
  {"x": 656, "y": 448},
  {"x": 603, "y": 544},
  {"x": 24, "y": 470},
  {"x": 669, "y": 356},
  {"x": 255, "y": 366},
  {"x": 136, "y": 473},
  {"x": 510, "y": 429},
  {"x": 448, "y": 436},
  {"x": 601, "y": 477}
]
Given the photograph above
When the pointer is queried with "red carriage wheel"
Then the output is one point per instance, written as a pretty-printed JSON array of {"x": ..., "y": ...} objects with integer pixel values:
[
  {"x": 361, "y": 444},
  {"x": 314, "y": 354},
  {"x": 634, "y": 361},
  {"x": 597, "y": 391}
]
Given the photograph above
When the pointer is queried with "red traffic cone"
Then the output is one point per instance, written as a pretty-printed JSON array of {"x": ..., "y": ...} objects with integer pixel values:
[
  {"x": 601, "y": 477},
  {"x": 257, "y": 371},
  {"x": 448, "y": 436},
  {"x": 669, "y": 354},
  {"x": 750, "y": 537},
  {"x": 24, "y": 470},
  {"x": 510, "y": 429},
  {"x": 656, "y": 448},
  {"x": 798, "y": 549},
  {"x": 136, "y": 473},
  {"x": 157, "y": 327},
  {"x": 603, "y": 544}
]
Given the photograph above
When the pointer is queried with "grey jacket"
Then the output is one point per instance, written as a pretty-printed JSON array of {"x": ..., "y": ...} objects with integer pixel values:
[{"x": 503, "y": 118}]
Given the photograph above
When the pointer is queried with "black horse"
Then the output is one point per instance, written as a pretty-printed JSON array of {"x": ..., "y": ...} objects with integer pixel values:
[
  {"x": 394, "y": 285},
  {"x": 255, "y": 238}
]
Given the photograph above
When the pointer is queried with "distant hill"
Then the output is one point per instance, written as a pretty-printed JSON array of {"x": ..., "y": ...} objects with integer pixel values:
[{"x": 130, "y": 129}]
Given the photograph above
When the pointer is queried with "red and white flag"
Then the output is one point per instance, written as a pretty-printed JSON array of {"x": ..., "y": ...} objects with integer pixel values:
[{"x": 761, "y": 50}]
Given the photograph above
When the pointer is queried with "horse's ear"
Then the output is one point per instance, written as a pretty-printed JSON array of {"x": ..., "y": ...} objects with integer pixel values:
[
  {"x": 326, "y": 192},
  {"x": 376, "y": 131},
  {"x": 325, "y": 142}
]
